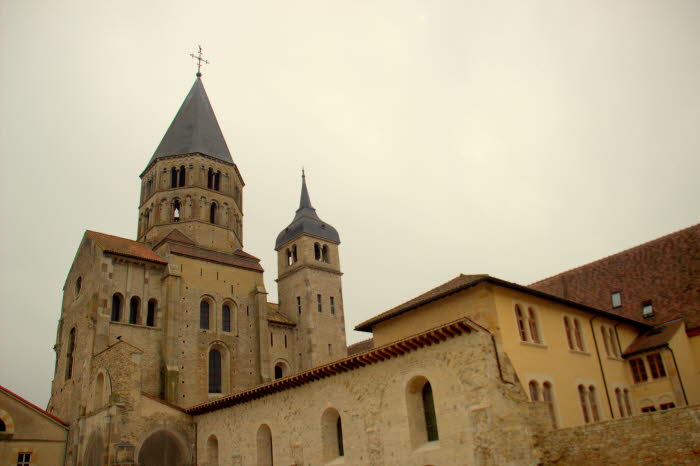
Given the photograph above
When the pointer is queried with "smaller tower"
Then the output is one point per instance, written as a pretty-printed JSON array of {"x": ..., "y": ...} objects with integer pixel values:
[{"x": 309, "y": 285}]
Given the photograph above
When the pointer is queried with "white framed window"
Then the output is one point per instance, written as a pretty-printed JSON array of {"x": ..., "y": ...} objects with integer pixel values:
[{"x": 616, "y": 298}]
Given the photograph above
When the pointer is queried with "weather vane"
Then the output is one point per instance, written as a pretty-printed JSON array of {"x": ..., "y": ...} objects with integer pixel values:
[{"x": 200, "y": 60}]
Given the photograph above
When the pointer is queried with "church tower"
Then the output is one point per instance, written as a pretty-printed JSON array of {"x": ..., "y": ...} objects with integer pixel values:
[
  {"x": 191, "y": 182},
  {"x": 309, "y": 284}
]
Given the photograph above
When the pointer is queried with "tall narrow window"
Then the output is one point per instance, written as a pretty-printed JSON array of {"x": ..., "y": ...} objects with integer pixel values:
[
  {"x": 226, "y": 318},
  {"x": 176, "y": 210},
  {"x": 614, "y": 346},
  {"x": 324, "y": 254},
  {"x": 628, "y": 405},
  {"x": 521, "y": 323},
  {"x": 173, "y": 177},
  {"x": 534, "y": 391},
  {"x": 332, "y": 305},
  {"x": 606, "y": 336},
  {"x": 285, "y": 341},
  {"x": 214, "y": 371},
  {"x": 618, "y": 398},
  {"x": 182, "y": 176},
  {"x": 319, "y": 300},
  {"x": 116, "y": 307},
  {"x": 299, "y": 305},
  {"x": 578, "y": 334},
  {"x": 584, "y": 404},
  {"x": 532, "y": 321},
  {"x": 567, "y": 327},
  {"x": 429, "y": 410},
  {"x": 212, "y": 213},
  {"x": 656, "y": 365},
  {"x": 339, "y": 435},
  {"x": 639, "y": 372},
  {"x": 279, "y": 371},
  {"x": 134, "y": 308},
  {"x": 151, "y": 315},
  {"x": 264, "y": 446},
  {"x": 212, "y": 451},
  {"x": 593, "y": 403},
  {"x": 289, "y": 257},
  {"x": 204, "y": 315},
  {"x": 317, "y": 251},
  {"x": 69, "y": 354},
  {"x": 210, "y": 179},
  {"x": 217, "y": 181},
  {"x": 548, "y": 397}
]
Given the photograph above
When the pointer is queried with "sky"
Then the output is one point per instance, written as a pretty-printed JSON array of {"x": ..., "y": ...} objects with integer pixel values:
[{"x": 515, "y": 138}]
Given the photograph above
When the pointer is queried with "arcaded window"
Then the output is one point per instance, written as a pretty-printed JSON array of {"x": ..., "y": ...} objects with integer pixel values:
[
  {"x": 317, "y": 251},
  {"x": 582, "y": 396},
  {"x": 173, "y": 177},
  {"x": 521, "y": 323},
  {"x": 639, "y": 372},
  {"x": 567, "y": 328},
  {"x": 593, "y": 401},
  {"x": 332, "y": 435},
  {"x": 210, "y": 179},
  {"x": 182, "y": 176},
  {"x": 176, "y": 210},
  {"x": 324, "y": 254},
  {"x": 226, "y": 318},
  {"x": 534, "y": 391},
  {"x": 289, "y": 257},
  {"x": 69, "y": 354},
  {"x": 294, "y": 253},
  {"x": 578, "y": 334},
  {"x": 332, "y": 305},
  {"x": 319, "y": 300},
  {"x": 298, "y": 304},
  {"x": 214, "y": 371},
  {"x": 204, "y": 315},
  {"x": 656, "y": 365},
  {"x": 217, "y": 181},
  {"x": 532, "y": 323},
  {"x": 264, "y": 446},
  {"x": 116, "y": 307},
  {"x": 548, "y": 397},
  {"x": 212, "y": 213},
  {"x": 151, "y": 315},
  {"x": 212, "y": 451},
  {"x": 665, "y": 406},
  {"x": 134, "y": 309}
]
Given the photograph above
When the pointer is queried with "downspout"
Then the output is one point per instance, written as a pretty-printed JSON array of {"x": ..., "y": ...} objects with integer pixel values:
[
  {"x": 600, "y": 364},
  {"x": 685, "y": 397}
]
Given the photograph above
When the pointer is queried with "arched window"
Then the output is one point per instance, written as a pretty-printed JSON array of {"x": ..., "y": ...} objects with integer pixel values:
[
  {"x": 294, "y": 253},
  {"x": 116, "y": 307},
  {"x": 217, "y": 181},
  {"x": 578, "y": 334},
  {"x": 567, "y": 327},
  {"x": 532, "y": 321},
  {"x": 279, "y": 371},
  {"x": 264, "y": 446},
  {"x": 548, "y": 397},
  {"x": 226, "y": 318},
  {"x": 521, "y": 323},
  {"x": 289, "y": 257},
  {"x": 3, "y": 428},
  {"x": 210, "y": 179},
  {"x": 613, "y": 343},
  {"x": 534, "y": 391},
  {"x": 173, "y": 177},
  {"x": 99, "y": 391},
  {"x": 182, "y": 176},
  {"x": 147, "y": 220},
  {"x": 317, "y": 251},
  {"x": 618, "y": 398},
  {"x": 69, "y": 354},
  {"x": 422, "y": 419},
  {"x": 429, "y": 408},
  {"x": 584, "y": 404},
  {"x": 134, "y": 308},
  {"x": 332, "y": 435},
  {"x": 212, "y": 213},
  {"x": 628, "y": 405},
  {"x": 176, "y": 210},
  {"x": 214, "y": 371},
  {"x": 151, "y": 315},
  {"x": 605, "y": 339},
  {"x": 212, "y": 451},
  {"x": 594, "y": 404},
  {"x": 149, "y": 187},
  {"x": 324, "y": 254},
  {"x": 204, "y": 315},
  {"x": 78, "y": 285}
]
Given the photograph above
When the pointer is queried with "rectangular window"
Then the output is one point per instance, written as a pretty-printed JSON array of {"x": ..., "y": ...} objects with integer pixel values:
[
  {"x": 616, "y": 298},
  {"x": 24, "y": 459},
  {"x": 299, "y": 304},
  {"x": 665, "y": 406},
  {"x": 319, "y": 298},
  {"x": 272, "y": 341},
  {"x": 656, "y": 365},
  {"x": 647, "y": 309},
  {"x": 332, "y": 305},
  {"x": 330, "y": 348},
  {"x": 639, "y": 373},
  {"x": 285, "y": 341},
  {"x": 648, "y": 409}
]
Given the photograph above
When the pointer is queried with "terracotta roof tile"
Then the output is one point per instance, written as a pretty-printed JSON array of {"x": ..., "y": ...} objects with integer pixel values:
[
  {"x": 124, "y": 247},
  {"x": 278, "y": 318},
  {"x": 237, "y": 259},
  {"x": 665, "y": 271},
  {"x": 361, "y": 346},
  {"x": 655, "y": 338},
  {"x": 176, "y": 236},
  {"x": 32, "y": 405}
]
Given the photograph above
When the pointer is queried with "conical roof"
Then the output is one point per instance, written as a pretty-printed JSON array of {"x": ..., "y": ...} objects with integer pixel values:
[
  {"x": 194, "y": 129},
  {"x": 306, "y": 221}
]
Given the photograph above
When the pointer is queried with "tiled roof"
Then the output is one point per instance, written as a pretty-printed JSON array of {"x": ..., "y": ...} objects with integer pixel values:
[
  {"x": 278, "y": 318},
  {"x": 655, "y": 338},
  {"x": 239, "y": 258},
  {"x": 392, "y": 350},
  {"x": 176, "y": 236},
  {"x": 32, "y": 405},
  {"x": 665, "y": 271},
  {"x": 161, "y": 401},
  {"x": 361, "y": 346},
  {"x": 124, "y": 247},
  {"x": 463, "y": 282}
]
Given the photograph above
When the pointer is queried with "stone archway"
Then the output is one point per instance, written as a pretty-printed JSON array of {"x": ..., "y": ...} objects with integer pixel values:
[
  {"x": 162, "y": 448},
  {"x": 94, "y": 451}
]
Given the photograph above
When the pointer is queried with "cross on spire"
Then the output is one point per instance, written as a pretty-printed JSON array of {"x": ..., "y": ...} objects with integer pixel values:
[{"x": 200, "y": 60}]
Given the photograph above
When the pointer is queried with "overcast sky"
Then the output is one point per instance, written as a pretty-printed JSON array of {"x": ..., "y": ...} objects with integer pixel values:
[{"x": 516, "y": 138}]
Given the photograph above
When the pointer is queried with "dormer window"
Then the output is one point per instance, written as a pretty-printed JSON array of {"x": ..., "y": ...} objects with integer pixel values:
[
  {"x": 647, "y": 309},
  {"x": 616, "y": 299}
]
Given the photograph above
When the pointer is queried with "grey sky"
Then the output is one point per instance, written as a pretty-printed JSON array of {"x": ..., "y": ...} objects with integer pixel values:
[{"x": 517, "y": 138}]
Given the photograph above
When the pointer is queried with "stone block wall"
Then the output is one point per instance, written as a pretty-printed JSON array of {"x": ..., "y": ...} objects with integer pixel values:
[{"x": 665, "y": 437}]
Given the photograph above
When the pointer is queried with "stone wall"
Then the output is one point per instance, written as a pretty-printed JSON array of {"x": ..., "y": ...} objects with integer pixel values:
[{"x": 665, "y": 437}]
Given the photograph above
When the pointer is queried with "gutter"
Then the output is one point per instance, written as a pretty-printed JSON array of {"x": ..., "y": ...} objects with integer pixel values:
[{"x": 600, "y": 364}]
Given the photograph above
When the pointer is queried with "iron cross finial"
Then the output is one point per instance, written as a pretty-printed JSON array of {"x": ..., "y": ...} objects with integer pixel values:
[{"x": 200, "y": 61}]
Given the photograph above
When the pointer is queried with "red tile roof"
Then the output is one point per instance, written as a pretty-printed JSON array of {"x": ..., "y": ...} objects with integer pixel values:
[
  {"x": 655, "y": 338},
  {"x": 238, "y": 258},
  {"x": 124, "y": 247},
  {"x": 32, "y": 405},
  {"x": 361, "y": 346},
  {"x": 176, "y": 236},
  {"x": 463, "y": 282},
  {"x": 389, "y": 351},
  {"x": 665, "y": 271}
]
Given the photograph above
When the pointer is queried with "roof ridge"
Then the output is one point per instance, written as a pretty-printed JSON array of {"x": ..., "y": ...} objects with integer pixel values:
[{"x": 655, "y": 240}]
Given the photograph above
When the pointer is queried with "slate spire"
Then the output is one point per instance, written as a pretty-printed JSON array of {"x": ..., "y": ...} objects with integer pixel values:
[
  {"x": 305, "y": 201},
  {"x": 194, "y": 129}
]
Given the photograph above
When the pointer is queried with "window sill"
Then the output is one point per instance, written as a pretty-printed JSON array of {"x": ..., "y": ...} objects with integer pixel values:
[
  {"x": 134, "y": 325},
  {"x": 536, "y": 345},
  {"x": 428, "y": 446},
  {"x": 575, "y": 351}
]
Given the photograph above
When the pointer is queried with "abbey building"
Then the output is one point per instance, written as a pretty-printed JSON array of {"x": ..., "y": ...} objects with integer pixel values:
[{"x": 168, "y": 351}]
